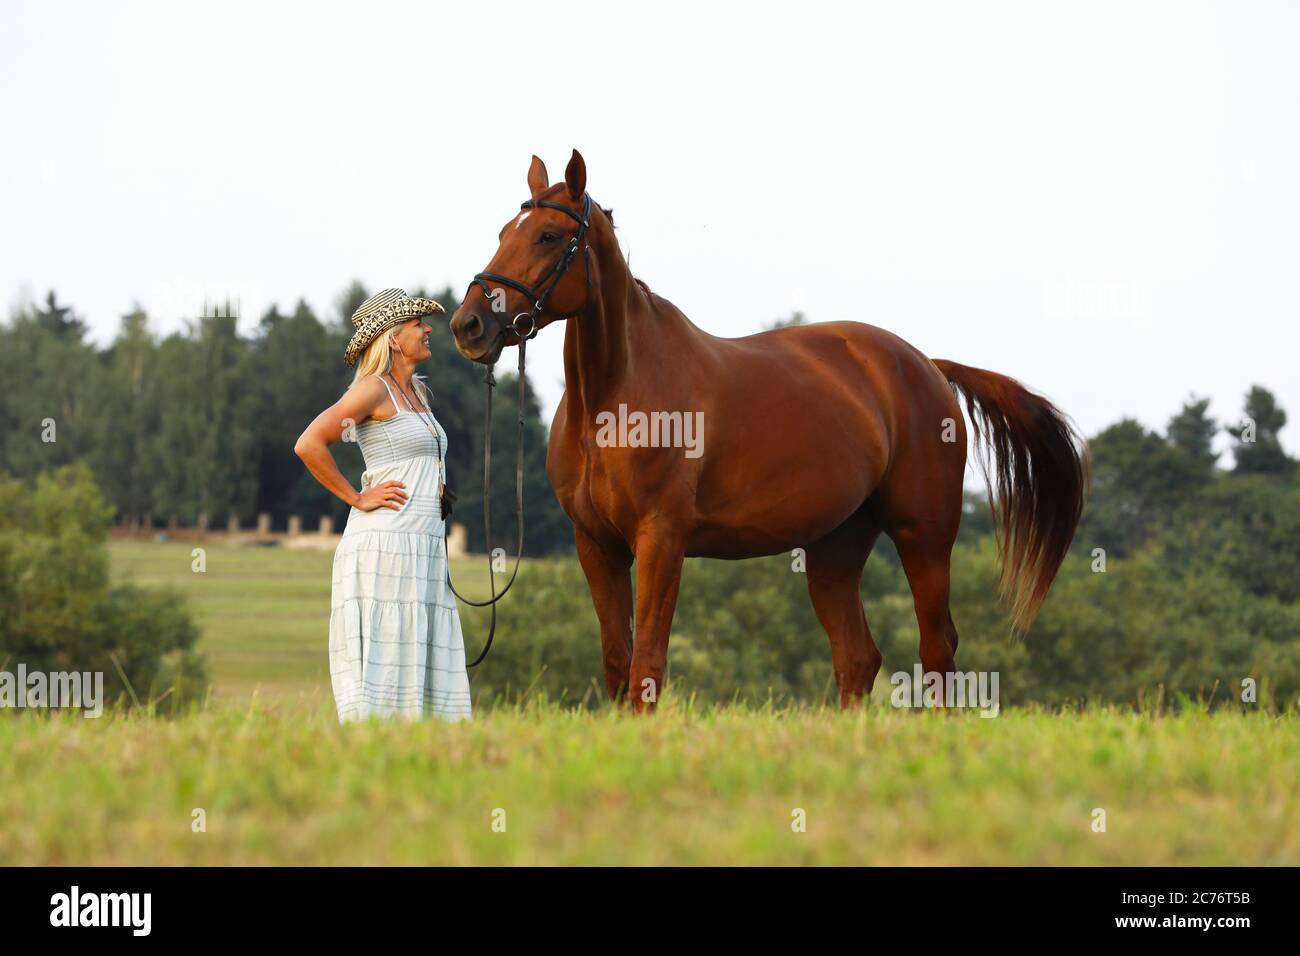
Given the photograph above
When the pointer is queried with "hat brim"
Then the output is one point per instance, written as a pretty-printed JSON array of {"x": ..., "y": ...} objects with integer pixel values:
[{"x": 411, "y": 307}]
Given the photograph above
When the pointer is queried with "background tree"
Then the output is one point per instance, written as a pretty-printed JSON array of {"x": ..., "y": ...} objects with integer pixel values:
[
  {"x": 207, "y": 458},
  {"x": 62, "y": 612},
  {"x": 794, "y": 318},
  {"x": 1136, "y": 477},
  {"x": 53, "y": 385},
  {"x": 295, "y": 374},
  {"x": 127, "y": 419},
  {"x": 1193, "y": 431},
  {"x": 59, "y": 321},
  {"x": 1264, "y": 455}
]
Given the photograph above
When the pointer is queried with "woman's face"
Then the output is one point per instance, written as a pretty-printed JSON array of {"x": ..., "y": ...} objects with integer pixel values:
[{"x": 412, "y": 339}]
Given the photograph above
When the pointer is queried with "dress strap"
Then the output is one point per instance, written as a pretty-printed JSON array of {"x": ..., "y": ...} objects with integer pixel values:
[{"x": 391, "y": 396}]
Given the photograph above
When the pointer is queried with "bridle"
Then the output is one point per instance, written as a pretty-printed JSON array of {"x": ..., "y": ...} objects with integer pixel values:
[{"x": 538, "y": 295}]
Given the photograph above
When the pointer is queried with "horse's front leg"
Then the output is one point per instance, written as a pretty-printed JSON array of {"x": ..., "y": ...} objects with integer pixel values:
[
  {"x": 659, "y": 555},
  {"x": 610, "y": 583}
]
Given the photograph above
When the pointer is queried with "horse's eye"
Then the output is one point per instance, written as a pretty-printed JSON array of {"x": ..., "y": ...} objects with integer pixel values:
[{"x": 548, "y": 237}]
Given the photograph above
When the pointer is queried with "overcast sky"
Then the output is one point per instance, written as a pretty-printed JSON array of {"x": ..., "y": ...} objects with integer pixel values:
[{"x": 1101, "y": 200}]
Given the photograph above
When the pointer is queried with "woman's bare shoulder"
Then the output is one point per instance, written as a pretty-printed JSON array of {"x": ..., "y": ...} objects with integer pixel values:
[
  {"x": 366, "y": 395},
  {"x": 367, "y": 387}
]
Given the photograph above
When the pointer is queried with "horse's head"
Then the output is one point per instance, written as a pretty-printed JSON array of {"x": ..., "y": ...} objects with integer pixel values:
[{"x": 541, "y": 270}]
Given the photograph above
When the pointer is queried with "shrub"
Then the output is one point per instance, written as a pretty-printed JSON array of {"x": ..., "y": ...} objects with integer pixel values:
[{"x": 60, "y": 612}]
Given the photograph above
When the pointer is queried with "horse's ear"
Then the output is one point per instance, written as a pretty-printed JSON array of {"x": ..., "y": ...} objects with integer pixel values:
[
  {"x": 575, "y": 176},
  {"x": 537, "y": 178}
]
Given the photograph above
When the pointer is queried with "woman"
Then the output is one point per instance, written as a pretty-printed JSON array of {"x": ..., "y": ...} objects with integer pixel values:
[{"x": 395, "y": 640}]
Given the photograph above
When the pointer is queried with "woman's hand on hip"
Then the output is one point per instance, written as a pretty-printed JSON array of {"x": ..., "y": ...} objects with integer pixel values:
[{"x": 386, "y": 494}]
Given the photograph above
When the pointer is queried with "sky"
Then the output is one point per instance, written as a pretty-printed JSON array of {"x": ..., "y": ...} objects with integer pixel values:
[{"x": 1098, "y": 199}]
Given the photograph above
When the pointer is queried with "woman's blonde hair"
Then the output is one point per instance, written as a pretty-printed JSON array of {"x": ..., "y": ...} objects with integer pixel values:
[{"x": 377, "y": 360}]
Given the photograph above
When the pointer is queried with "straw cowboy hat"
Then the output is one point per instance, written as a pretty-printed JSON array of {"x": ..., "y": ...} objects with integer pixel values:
[{"x": 381, "y": 312}]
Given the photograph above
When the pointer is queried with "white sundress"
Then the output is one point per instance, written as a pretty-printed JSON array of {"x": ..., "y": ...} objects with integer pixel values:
[{"x": 395, "y": 642}]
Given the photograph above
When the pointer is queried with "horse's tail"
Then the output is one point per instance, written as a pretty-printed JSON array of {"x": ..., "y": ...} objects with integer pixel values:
[{"x": 1036, "y": 466}]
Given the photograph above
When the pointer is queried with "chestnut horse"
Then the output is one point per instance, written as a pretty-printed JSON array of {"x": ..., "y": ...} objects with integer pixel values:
[{"x": 817, "y": 437}]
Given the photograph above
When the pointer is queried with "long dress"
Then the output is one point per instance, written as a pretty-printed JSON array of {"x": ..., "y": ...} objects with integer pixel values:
[{"x": 395, "y": 642}]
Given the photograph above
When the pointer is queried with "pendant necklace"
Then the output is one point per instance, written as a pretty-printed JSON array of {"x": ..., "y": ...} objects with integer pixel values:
[{"x": 442, "y": 474}]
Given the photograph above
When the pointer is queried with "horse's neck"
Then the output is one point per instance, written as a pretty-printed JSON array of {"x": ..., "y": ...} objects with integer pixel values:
[
  {"x": 603, "y": 346},
  {"x": 596, "y": 352}
]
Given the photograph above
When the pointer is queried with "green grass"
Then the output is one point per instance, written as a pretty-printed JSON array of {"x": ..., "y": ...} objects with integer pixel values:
[
  {"x": 283, "y": 783},
  {"x": 264, "y": 611}
]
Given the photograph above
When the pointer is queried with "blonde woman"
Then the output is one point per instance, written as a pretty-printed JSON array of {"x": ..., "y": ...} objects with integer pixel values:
[{"x": 394, "y": 640}]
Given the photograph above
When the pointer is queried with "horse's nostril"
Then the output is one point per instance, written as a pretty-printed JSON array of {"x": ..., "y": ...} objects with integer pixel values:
[{"x": 473, "y": 326}]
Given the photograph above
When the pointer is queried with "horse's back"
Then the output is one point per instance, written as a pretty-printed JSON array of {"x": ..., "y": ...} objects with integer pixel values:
[
  {"x": 818, "y": 337},
  {"x": 885, "y": 366}
]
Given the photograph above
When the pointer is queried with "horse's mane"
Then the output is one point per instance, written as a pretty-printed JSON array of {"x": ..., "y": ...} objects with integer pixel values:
[{"x": 609, "y": 214}]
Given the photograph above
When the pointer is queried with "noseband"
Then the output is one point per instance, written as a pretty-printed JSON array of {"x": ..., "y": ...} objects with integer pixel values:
[{"x": 537, "y": 295}]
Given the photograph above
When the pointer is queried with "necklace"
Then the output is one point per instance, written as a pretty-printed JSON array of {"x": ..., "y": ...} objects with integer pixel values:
[{"x": 442, "y": 472}]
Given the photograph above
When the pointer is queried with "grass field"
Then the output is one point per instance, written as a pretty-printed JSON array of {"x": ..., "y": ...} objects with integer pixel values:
[
  {"x": 284, "y": 784},
  {"x": 278, "y": 781}
]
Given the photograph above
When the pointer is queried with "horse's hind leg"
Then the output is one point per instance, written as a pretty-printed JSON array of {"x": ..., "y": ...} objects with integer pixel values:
[
  {"x": 925, "y": 549},
  {"x": 834, "y": 571},
  {"x": 920, "y": 507}
]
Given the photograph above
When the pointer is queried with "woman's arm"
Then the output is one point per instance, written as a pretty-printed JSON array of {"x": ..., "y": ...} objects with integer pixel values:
[{"x": 357, "y": 404}]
